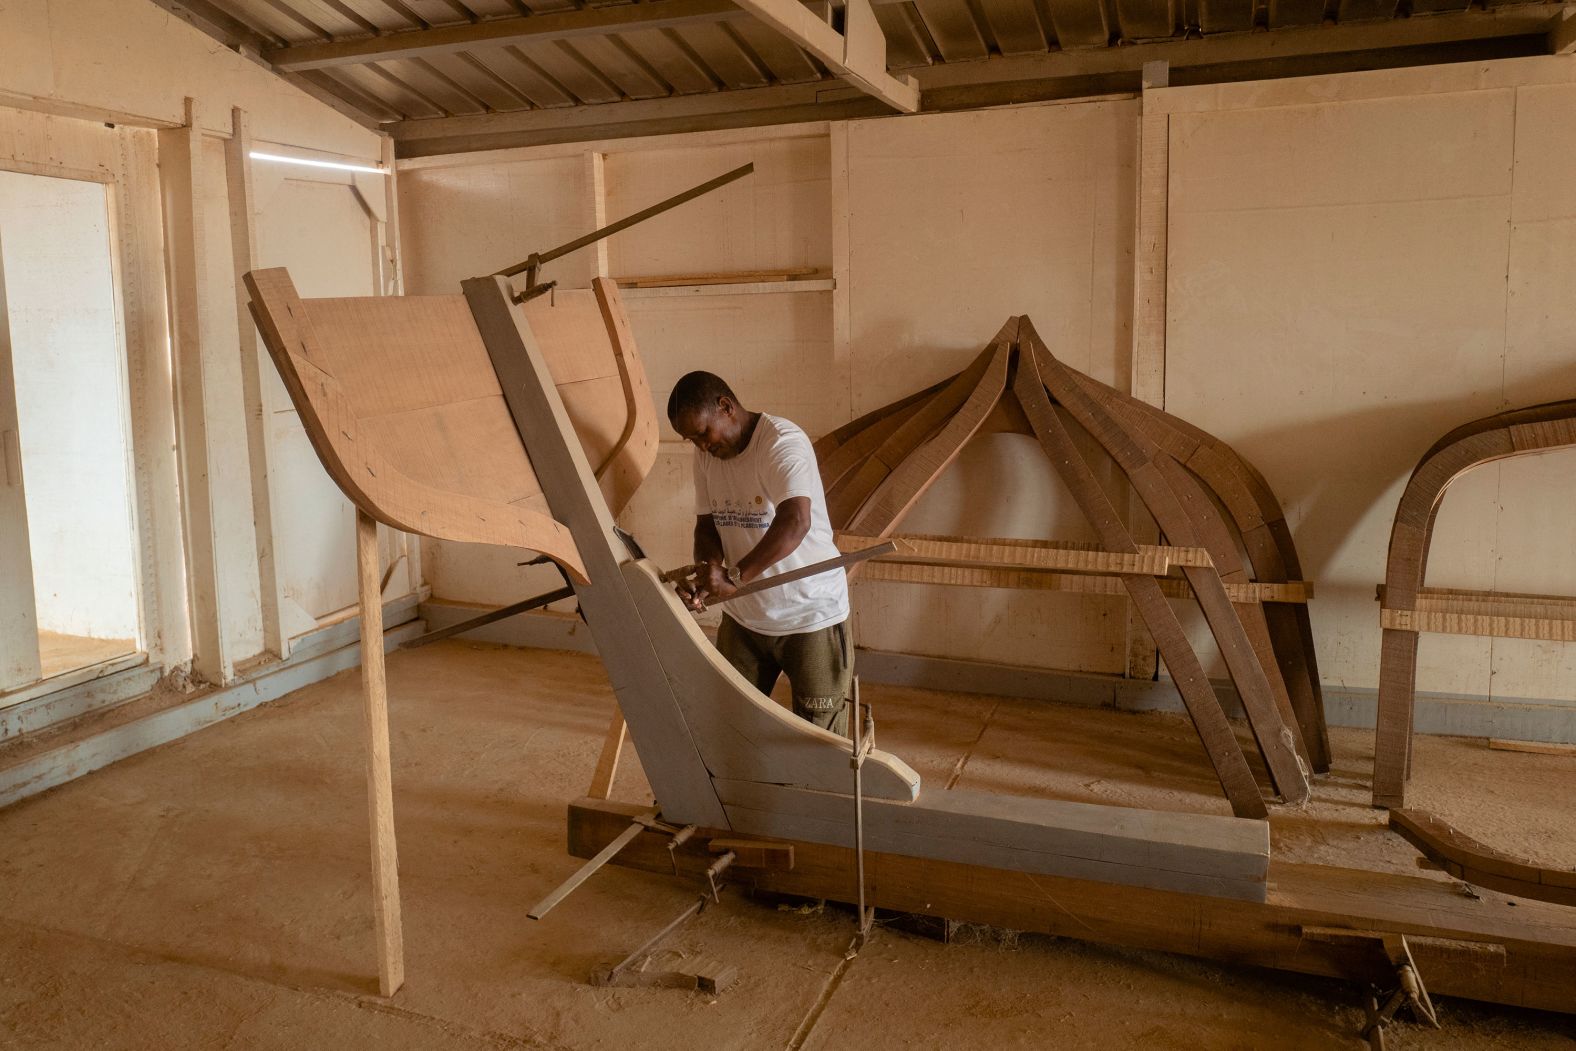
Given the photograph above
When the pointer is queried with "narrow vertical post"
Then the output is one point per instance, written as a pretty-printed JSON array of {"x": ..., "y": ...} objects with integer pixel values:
[
  {"x": 380, "y": 790},
  {"x": 596, "y": 208},
  {"x": 607, "y": 764},
  {"x": 1147, "y": 376},
  {"x": 181, "y": 169},
  {"x": 243, "y": 239}
]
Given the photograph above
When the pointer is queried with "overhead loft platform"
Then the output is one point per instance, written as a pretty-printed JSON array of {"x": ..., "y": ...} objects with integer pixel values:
[{"x": 493, "y": 74}]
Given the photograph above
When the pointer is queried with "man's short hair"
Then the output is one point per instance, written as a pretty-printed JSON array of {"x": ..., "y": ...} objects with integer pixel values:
[{"x": 698, "y": 392}]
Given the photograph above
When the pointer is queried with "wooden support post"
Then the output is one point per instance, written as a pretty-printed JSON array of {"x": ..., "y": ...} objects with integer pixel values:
[
  {"x": 180, "y": 164},
  {"x": 380, "y": 792},
  {"x": 1562, "y": 37},
  {"x": 596, "y": 208},
  {"x": 607, "y": 764},
  {"x": 243, "y": 239},
  {"x": 1147, "y": 380},
  {"x": 19, "y": 656}
]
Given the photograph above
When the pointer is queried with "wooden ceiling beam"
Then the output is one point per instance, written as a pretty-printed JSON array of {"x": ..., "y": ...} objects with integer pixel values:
[
  {"x": 1562, "y": 37},
  {"x": 857, "y": 55},
  {"x": 424, "y": 43}
]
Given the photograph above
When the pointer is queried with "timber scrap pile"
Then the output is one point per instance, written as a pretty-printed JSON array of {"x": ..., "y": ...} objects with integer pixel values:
[{"x": 1210, "y": 503}]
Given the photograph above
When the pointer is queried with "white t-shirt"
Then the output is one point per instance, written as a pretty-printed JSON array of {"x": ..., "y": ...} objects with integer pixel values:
[{"x": 741, "y": 494}]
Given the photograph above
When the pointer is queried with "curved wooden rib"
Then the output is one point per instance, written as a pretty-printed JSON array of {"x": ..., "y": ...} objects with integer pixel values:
[
  {"x": 1220, "y": 742},
  {"x": 877, "y": 466},
  {"x": 1144, "y": 467},
  {"x": 1259, "y": 525},
  {"x": 629, "y": 461},
  {"x": 852, "y": 490},
  {"x": 1534, "y": 429},
  {"x": 908, "y": 480},
  {"x": 1473, "y": 862}
]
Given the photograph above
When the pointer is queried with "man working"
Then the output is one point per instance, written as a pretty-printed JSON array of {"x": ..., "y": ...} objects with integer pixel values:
[{"x": 760, "y": 507}]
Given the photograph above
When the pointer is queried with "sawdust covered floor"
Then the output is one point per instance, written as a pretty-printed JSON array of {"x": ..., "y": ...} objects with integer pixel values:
[{"x": 214, "y": 893}]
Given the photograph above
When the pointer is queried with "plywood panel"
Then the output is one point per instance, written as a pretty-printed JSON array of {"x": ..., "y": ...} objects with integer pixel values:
[
  {"x": 322, "y": 233},
  {"x": 943, "y": 247},
  {"x": 1446, "y": 146},
  {"x": 774, "y": 350},
  {"x": 777, "y": 217},
  {"x": 1337, "y": 300},
  {"x": 464, "y": 221}
]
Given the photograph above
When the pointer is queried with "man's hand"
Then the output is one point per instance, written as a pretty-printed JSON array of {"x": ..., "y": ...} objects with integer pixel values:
[{"x": 708, "y": 583}]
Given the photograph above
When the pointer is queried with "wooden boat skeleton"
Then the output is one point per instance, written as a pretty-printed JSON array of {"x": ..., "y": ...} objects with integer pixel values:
[{"x": 501, "y": 448}]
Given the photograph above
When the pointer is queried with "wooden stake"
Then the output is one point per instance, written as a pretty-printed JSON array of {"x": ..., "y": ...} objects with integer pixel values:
[
  {"x": 607, "y": 765},
  {"x": 380, "y": 794}
]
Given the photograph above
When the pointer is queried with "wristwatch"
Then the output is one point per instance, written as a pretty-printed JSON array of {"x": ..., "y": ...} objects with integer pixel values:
[{"x": 733, "y": 575}]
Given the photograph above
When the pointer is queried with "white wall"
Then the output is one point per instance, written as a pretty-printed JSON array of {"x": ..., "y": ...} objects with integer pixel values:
[
  {"x": 66, "y": 68},
  {"x": 1358, "y": 265},
  {"x": 955, "y": 223},
  {"x": 72, "y": 403}
]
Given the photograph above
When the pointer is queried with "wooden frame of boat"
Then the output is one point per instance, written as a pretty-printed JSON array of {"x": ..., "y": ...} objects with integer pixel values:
[{"x": 722, "y": 757}]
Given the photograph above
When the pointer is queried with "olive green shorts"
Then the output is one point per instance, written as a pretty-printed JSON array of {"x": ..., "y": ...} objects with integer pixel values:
[{"x": 819, "y": 665}]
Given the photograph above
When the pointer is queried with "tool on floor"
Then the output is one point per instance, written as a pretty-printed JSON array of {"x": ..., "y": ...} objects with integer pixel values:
[{"x": 703, "y": 974}]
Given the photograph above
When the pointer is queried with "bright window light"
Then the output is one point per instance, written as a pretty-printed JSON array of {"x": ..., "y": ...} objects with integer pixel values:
[{"x": 336, "y": 165}]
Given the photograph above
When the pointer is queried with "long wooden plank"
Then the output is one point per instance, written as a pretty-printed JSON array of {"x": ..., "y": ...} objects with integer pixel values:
[
  {"x": 858, "y": 54},
  {"x": 1538, "y": 939},
  {"x": 442, "y": 40},
  {"x": 387, "y": 926},
  {"x": 1200, "y": 853},
  {"x": 668, "y": 751},
  {"x": 1078, "y": 583},
  {"x": 1067, "y": 556},
  {"x": 1275, "y": 738},
  {"x": 1198, "y": 696}
]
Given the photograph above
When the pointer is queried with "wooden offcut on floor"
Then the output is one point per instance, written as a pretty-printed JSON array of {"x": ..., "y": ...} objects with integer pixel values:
[{"x": 213, "y": 893}]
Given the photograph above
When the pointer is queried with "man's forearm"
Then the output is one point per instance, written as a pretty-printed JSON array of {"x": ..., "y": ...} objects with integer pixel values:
[
  {"x": 708, "y": 542},
  {"x": 782, "y": 539}
]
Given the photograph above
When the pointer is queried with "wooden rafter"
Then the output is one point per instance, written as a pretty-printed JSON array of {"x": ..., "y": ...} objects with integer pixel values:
[
  {"x": 535, "y": 29},
  {"x": 857, "y": 54}
]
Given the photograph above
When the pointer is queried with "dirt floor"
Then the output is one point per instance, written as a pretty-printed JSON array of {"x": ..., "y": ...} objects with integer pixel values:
[
  {"x": 215, "y": 892},
  {"x": 59, "y": 653}
]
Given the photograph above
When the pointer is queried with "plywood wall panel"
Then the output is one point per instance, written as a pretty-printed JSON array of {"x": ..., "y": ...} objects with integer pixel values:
[
  {"x": 1365, "y": 152},
  {"x": 774, "y": 350},
  {"x": 958, "y": 221},
  {"x": 1346, "y": 285},
  {"x": 779, "y": 216},
  {"x": 462, "y": 222}
]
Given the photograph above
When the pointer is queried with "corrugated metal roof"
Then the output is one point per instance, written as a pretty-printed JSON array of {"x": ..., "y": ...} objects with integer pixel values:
[{"x": 519, "y": 56}]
